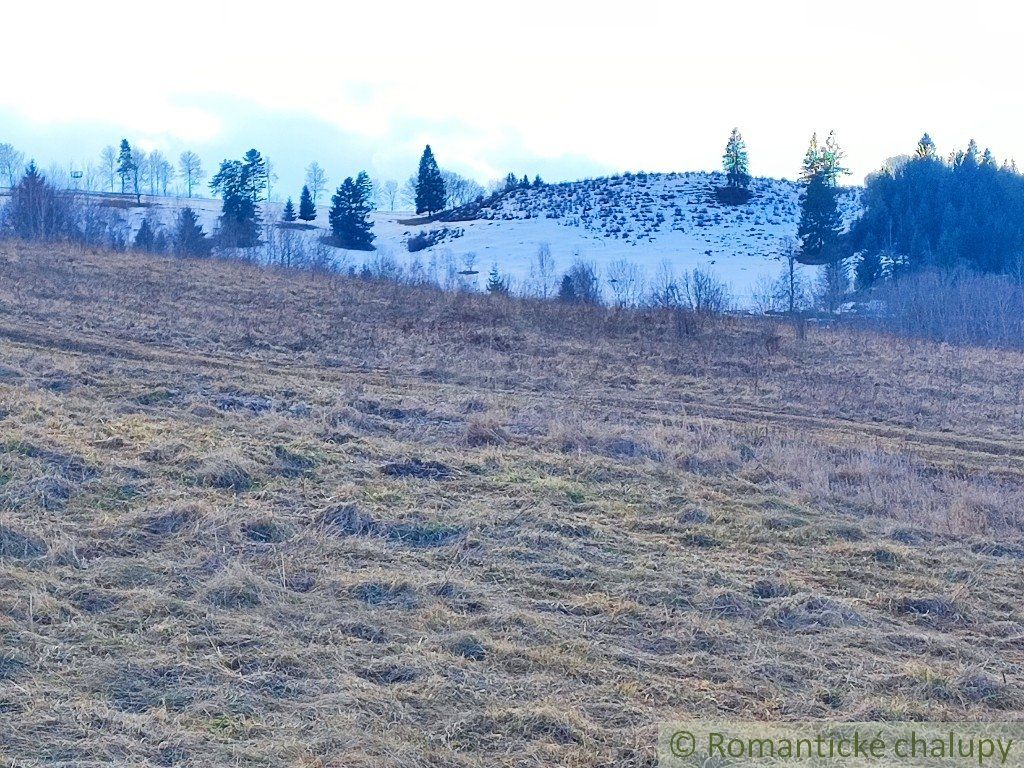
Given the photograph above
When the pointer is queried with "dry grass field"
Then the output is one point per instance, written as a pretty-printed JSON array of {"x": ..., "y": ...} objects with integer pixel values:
[{"x": 254, "y": 518}]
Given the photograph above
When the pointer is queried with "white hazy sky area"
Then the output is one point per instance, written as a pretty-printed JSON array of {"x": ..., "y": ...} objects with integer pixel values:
[{"x": 566, "y": 89}]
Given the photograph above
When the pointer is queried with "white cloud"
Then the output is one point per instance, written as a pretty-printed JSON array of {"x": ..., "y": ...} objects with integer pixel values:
[{"x": 646, "y": 84}]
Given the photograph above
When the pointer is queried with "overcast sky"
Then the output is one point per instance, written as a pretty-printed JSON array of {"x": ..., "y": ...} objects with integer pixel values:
[{"x": 566, "y": 89}]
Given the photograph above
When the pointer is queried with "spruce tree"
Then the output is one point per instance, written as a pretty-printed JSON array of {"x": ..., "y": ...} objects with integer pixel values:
[
  {"x": 819, "y": 221},
  {"x": 307, "y": 208},
  {"x": 971, "y": 156},
  {"x": 288, "y": 214},
  {"x": 36, "y": 211},
  {"x": 188, "y": 238},
  {"x": 350, "y": 214},
  {"x": 925, "y": 147},
  {"x": 496, "y": 285},
  {"x": 365, "y": 187},
  {"x": 430, "y": 192},
  {"x": 832, "y": 160},
  {"x": 567, "y": 290},
  {"x": 144, "y": 238},
  {"x": 812, "y": 161},
  {"x": 735, "y": 162},
  {"x": 126, "y": 166},
  {"x": 869, "y": 269},
  {"x": 819, "y": 218}
]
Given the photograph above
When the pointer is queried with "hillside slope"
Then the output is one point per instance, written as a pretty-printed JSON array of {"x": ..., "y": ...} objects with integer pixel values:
[
  {"x": 644, "y": 219},
  {"x": 250, "y": 517}
]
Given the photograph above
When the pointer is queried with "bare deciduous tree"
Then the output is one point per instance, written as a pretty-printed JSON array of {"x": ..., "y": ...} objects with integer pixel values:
[
  {"x": 90, "y": 176},
  {"x": 409, "y": 193},
  {"x": 108, "y": 166},
  {"x": 625, "y": 282},
  {"x": 316, "y": 180},
  {"x": 788, "y": 292},
  {"x": 833, "y": 285},
  {"x": 665, "y": 287},
  {"x": 270, "y": 165},
  {"x": 955, "y": 306},
  {"x": 704, "y": 293},
  {"x": 541, "y": 280},
  {"x": 58, "y": 176},
  {"x": 389, "y": 193},
  {"x": 159, "y": 172},
  {"x": 191, "y": 171},
  {"x": 12, "y": 163},
  {"x": 459, "y": 190}
]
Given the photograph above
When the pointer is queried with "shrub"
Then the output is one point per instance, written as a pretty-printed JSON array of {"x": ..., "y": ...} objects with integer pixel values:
[
  {"x": 957, "y": 307},
  {"x": 580, "y": 285}
]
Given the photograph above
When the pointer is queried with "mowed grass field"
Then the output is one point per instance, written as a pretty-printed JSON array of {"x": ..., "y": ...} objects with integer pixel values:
[{"x": 257, "y": 518}]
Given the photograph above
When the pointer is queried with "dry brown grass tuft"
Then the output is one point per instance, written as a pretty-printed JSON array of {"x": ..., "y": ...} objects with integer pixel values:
[
  {"x": 226, "y": 470},
  {"x": 260, "y": 518},
  {"x": 485, "y": 431}
]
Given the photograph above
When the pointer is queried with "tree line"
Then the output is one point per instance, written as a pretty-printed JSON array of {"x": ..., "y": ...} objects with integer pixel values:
[
  {"x": 129, "y": 170},
  {"x": 125, "y": 169},
  {"x": 924, "y": 211},
  {"x": 243, "y": 185},
  {"x": 37, "y": 210},
  {"x": 919, "y": 211}
]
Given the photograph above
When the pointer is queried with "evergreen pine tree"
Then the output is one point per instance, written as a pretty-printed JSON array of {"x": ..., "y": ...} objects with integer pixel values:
[
  {"x": 819, "y": 220},
  {"x": 307, "y": 208},
  {"x": 144, "y": 238},
  {"x": 188, "y": 238},
  {"x": 126, "y": 166},
  {"x": 430, "y": 192},
  {"x": 538, "y": 181},
  {"x": 255, "y": 175},
  {"x": 925, "y": 147},
  {"x": 971, "y": 156},
  {"x": 349, "y": 215},
  {"x": 288, "y": 214},
  {"x": 869, "y": 269},
  {"x": 511, "y": 182},
  {"x": 567, "y": 290},
  {"x": 735, "y": 162},
  {"x": 832, "y": 160},
  {"x": 160, "y": 242},
  {"x": 36, "y": 211},
  {"x": 812, "y": 161},
  {"x": 495, "y": 283},
  {"x": 239, "y": 220},
  {"x": 365, "y": 187}
]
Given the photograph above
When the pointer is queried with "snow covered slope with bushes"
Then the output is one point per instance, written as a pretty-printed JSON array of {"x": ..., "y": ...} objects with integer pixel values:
[{"x": 643, "y": 219}]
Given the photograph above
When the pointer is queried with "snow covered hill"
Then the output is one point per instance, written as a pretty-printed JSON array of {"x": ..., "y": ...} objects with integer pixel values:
[{"x": 643, "y": 219}]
